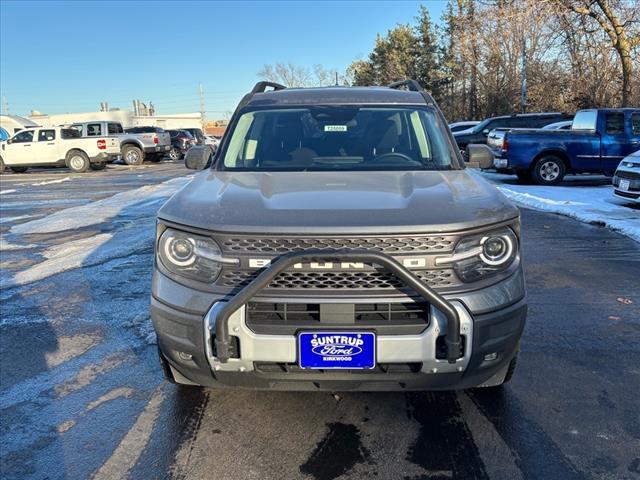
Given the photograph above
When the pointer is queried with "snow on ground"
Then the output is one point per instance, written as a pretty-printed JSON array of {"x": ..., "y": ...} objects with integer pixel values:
[
  {"x": 4, "y": 192},
  {"x": 102, "y": 210},
  {"x": 131, "y": 218},
  {"x": 141, "y": 324},
  {"x": 49, "y": 182},
  {"x": 592, "y": 202}
]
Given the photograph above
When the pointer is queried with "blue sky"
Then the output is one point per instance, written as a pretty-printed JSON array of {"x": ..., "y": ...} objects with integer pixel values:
[{"x": 68, "y": 56}]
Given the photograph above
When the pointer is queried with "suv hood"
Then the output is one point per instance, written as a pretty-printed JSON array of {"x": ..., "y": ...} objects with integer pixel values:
[{"x": 344, "y": 202}]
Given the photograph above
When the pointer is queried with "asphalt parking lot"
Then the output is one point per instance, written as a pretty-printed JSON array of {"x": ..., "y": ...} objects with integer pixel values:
[{"x": 82, "y": 396}]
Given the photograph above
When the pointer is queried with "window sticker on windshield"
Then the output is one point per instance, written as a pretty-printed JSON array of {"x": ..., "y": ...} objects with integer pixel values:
[{"x": 335, "y": 128}]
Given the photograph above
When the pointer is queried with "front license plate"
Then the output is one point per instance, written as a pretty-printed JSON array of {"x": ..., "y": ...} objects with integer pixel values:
[
  {"x": 337, "y": 350},
  {"x": 624, "y": 184}
]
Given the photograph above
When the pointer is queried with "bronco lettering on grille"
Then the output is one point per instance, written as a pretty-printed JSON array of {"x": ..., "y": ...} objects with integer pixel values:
[{"x": 407, "y": 262}]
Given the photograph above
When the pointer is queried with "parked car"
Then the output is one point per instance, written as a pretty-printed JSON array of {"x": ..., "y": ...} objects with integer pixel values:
[
  {"x": 197, "y": 134},
  {"x": 366, "y": 256},
  {"x": 161, "y": 144},
  {"x": 57, "y": 146},
  {"x": 213, "y": 142},
  {"x": 626, "y": 180},
  {"x": 181, "y": 142},
  {"x": 596, "y": 143},
  {"x": 145, "y": 142},
  {"x": 480, "y": 132},
  {"x": 495, "y": 141},
  {"x": 460, "y": 126}
]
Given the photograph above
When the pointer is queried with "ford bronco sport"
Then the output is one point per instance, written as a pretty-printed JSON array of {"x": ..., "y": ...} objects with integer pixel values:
[{"x": 336, "y": 241}]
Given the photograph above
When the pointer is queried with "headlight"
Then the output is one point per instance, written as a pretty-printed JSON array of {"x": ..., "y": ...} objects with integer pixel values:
[
  {"x": 480, "y": 256},
  {"x": 191, "y": 256}
]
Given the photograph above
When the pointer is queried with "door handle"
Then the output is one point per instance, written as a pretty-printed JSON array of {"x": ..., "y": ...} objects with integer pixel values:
[
  {"x": 51, "y": 143},
  {"x": 27, "y": 145}
]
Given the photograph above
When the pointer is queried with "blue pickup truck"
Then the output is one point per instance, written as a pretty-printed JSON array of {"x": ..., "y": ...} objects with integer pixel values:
[{"x": 598, "y": 140}]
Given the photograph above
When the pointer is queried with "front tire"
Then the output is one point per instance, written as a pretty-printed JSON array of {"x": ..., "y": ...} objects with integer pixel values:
[
  {"x": 132, "y": 155},
  {"x": 548, "y": 170},
  {"x": 1, "y": 165},
  {"x": 98, "y": 166},
  {"x": 157, "y": 157},
  {"x": 77, "y": 161},
  {"x": 175, "y": 153}
]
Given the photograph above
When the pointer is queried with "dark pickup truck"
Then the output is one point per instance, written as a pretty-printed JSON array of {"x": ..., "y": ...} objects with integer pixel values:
[{"x": 598, "y": 140}]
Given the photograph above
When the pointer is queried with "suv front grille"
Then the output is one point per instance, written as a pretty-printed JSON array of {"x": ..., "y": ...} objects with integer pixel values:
[
  {"x": 353, "y": 280},
  {"x": 385, "y": 318},
  {"x": 280, "y": 245}
]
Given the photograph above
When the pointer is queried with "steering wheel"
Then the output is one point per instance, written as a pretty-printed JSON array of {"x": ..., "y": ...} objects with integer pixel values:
[{"x": 394, "y": 154}]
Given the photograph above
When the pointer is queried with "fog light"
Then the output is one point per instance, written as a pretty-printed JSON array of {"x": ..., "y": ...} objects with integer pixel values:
[
  {"x": 490, "y": 356},
  {"x": 185, "y": 356}
]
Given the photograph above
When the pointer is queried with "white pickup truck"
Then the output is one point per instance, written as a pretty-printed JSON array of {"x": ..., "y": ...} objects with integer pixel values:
[
  {"x": 137, "y": 143},
  {"x": 57, "y": 146}
]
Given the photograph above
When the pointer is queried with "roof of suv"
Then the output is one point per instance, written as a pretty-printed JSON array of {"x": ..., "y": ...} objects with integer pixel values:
[{"x": 337, "y": 96}]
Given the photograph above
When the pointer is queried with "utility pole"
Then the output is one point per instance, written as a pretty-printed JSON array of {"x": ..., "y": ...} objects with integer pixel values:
[
  {"x": 523, "y": 97},
  {"x": 201, "y": 93},
  {"x": 5, "y": 106}
]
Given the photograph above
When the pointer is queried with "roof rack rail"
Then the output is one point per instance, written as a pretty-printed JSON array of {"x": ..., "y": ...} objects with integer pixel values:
[
  {"x": 411, "y": 85},
  {"x": 262, "y": 86},
  {"x": 259, "y": 87}
]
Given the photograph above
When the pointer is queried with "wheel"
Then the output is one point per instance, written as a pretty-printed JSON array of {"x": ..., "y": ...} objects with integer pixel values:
[
  {"x": 78, "y": 161},
  {"x": 132, "y": 155},
  {"x": 548, "y": 170},
  {"x": 157, "y": 157},
  {"x": 524, "y": 176},
  {"x": 175, "y": 153},
  {"x": 98, "y": 166},
  {"x": 19, "y": 169},
  {"x": 1, "y": 165}
]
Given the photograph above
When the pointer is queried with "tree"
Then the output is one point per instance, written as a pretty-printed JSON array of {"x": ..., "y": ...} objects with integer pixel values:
[
  {"x": 427, "y": 70},
  {"x": 609, "y": 15},
  {"x": 291, "y": 75}
]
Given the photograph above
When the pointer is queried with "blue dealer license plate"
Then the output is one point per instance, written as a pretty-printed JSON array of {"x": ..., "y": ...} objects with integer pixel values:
[{"x": 337, "y": 349}]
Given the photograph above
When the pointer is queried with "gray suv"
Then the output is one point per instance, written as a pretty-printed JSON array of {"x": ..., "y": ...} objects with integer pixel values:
[{"x": 336, "y": 241}]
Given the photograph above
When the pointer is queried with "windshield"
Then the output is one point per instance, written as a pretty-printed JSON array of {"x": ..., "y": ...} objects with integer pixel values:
[
  {"x": 481, "y": 126},
  {"x": 338, "y": 138}
]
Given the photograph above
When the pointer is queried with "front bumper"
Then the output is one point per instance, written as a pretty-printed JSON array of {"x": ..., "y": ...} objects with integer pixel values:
[
  {"x": 491, "y": 322},
  {"x": 631, "y": 175}
]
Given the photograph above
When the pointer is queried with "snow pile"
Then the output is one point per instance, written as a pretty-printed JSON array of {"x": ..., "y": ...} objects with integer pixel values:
[
  {"x": 102, "y": 210},
  {"x": 593, "y": 204},
  {"x": 4, "y": 192}
]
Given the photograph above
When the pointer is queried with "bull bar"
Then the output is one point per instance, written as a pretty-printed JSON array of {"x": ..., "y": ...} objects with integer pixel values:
[{"x": 282, "y": 263}]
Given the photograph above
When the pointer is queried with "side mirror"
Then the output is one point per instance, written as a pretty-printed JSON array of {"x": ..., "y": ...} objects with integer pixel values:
[
  {"x": 198, "y": 157},
  {"x": 9, "y": 141},
  {"x": 480, "y": 155}
]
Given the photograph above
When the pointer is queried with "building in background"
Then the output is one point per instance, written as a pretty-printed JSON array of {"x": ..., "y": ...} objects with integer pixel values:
[
  {"x": 10, "y": 124},
  {"x": 216, "y": 128},
  {"x": 127, "y": 118}
]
